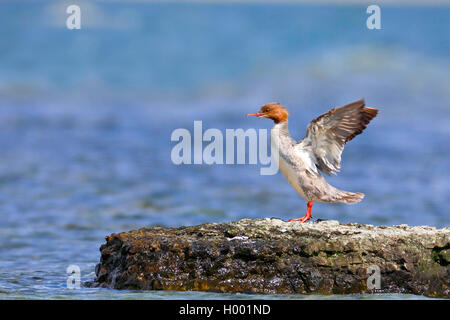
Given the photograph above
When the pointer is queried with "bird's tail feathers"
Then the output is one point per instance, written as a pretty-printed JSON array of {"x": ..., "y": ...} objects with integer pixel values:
[{"x": 350, "y": 197}]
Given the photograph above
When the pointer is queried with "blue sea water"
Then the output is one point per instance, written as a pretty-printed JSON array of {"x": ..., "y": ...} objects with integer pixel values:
[{"x": 86, "y": 118}]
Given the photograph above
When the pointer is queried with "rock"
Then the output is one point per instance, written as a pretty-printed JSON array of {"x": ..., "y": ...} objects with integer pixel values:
[{"x": 273, "y": 256}]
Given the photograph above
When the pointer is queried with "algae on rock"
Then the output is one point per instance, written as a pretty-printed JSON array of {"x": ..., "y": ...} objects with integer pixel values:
[{"x": 273, "y": 256}]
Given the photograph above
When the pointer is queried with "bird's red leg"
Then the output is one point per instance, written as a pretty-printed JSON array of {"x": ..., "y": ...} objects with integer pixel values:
[{"x": 308, "y": 214}]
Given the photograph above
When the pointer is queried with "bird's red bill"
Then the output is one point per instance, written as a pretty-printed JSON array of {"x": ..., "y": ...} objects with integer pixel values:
[{"x": 254, "y": 114}]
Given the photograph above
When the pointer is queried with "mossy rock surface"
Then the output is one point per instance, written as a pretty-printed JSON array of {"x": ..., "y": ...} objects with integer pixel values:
[{"x": 273, "y": 256}]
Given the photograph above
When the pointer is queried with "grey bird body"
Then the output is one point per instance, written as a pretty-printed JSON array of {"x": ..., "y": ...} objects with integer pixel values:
[{"x": 297, "y": 164}]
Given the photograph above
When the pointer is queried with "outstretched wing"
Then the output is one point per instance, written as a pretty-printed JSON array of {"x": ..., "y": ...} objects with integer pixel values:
[{"x": 327, "y": 135}]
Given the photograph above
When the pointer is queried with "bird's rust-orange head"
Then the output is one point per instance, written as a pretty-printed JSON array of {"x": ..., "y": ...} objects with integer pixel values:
[{"x": 273, "y": 111}]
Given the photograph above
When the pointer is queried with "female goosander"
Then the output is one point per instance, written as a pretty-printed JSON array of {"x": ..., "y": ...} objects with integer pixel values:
[{"x": 320, "y": 149}]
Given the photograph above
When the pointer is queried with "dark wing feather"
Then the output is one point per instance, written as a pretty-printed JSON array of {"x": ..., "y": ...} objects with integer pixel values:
[{"x": 328, "y": 134}]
